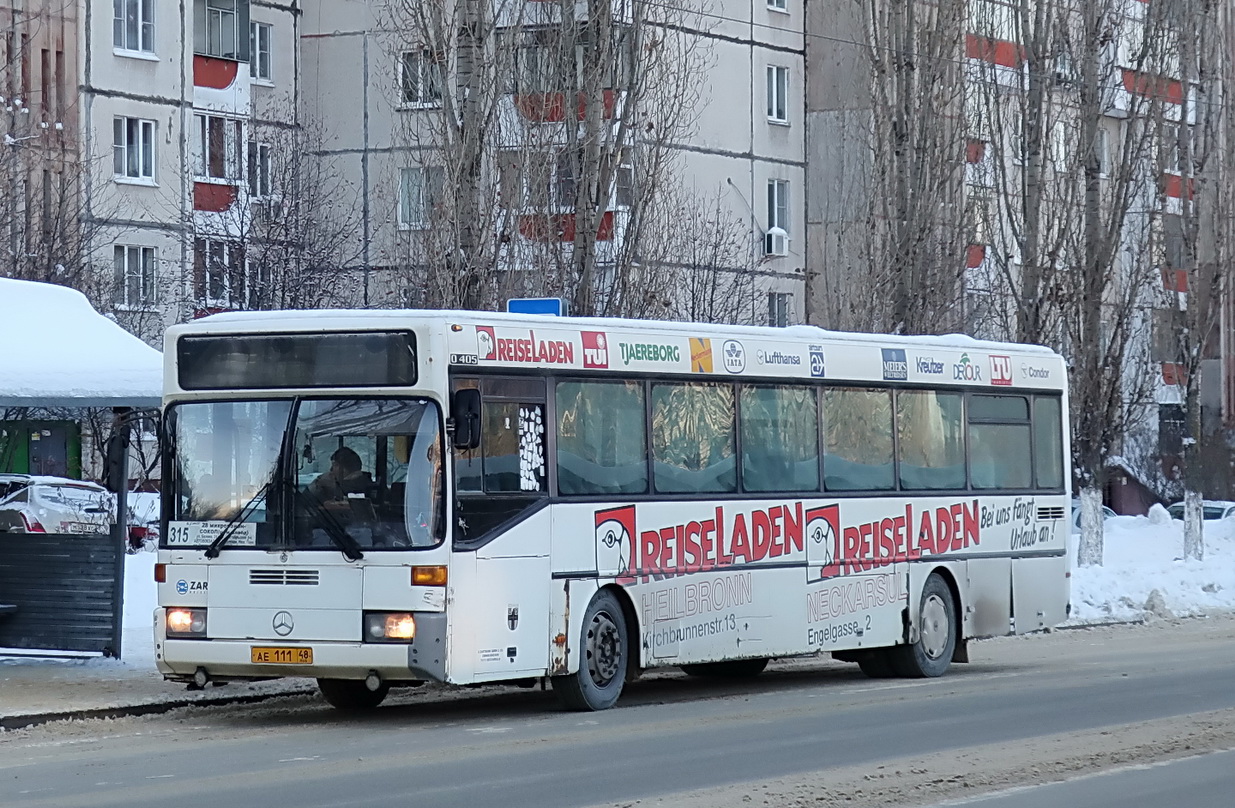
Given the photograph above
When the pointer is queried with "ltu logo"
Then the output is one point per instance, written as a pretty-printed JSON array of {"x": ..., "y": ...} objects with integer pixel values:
[
  {"x": 595, "y": 349},
  {"x": 1001, "y": 370},
  {"x": 615, "y": 529},
  {"x": 486, "y": 343},
  {"x": 823, "y": 529}
]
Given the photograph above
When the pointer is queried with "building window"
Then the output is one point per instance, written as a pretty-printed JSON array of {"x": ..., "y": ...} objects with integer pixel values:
[
  {"x": 133, "y": 153},
  {"x": 217, "y": 27},
  {"x": 778, "y": 94},
  {"x": 778, "y": 309},
  {"x": 778, "y": 5},
  {"x": 259, "y": 51},
  {"x": 133, "y": 25},
  {"x": 420, "y": 78},
  {"x": 776, "y": 240},
  {"x": 134, "y": 276},
  {"x": 420, "y": 190},
  {"x": 218, "y": 147},
  {"x": 259, "y": 169},
  {"x": 219, "y": 273}
]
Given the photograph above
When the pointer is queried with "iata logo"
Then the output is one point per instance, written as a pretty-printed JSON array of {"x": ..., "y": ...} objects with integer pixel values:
[
  {"x": 614, "y": 529},
  {"x": 486, "y": 343},
  {"x": 734, "y": 356},
  {"x": 1001, "y": 370},
  {"x": 595, "y": 349}
]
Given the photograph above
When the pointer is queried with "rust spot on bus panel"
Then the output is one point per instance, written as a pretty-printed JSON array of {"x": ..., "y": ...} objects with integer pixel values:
[{"x": 561, "y": 649}]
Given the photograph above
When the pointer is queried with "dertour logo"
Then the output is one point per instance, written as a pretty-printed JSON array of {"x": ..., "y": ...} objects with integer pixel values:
[{"x": 966, "y": 370}]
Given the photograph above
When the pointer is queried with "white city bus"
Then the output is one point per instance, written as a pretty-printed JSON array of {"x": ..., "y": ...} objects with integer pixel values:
[{"x": 383, "y": 498}]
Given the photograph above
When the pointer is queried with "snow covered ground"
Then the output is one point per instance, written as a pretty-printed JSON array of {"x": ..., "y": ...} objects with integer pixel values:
[{"x": 1142, "y": 554}]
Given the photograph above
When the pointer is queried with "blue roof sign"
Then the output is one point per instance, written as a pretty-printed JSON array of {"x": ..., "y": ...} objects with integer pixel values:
[{"x": 552, "y": 306}]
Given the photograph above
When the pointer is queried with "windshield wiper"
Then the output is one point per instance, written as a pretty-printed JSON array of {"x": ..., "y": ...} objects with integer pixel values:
[
  {"x": 233, "y": 524},
  {"x": 337, "y": 533}
]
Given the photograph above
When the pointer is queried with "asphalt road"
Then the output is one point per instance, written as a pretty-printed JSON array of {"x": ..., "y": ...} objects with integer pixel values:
[{"x": 669, "y": 734}]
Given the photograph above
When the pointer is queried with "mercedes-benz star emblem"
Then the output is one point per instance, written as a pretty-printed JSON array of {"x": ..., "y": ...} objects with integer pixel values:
[{"x": 283, "y": 623}]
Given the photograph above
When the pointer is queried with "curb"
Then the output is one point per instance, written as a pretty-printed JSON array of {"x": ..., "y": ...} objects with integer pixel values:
[{"x": 15, "y": 722}]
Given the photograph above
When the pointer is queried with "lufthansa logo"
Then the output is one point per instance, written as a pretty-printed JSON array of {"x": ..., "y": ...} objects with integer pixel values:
[{"x": 283, "y": 623}]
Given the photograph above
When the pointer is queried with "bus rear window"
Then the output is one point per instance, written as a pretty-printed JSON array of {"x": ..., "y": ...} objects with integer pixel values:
[{"x": 274, "y": 361}]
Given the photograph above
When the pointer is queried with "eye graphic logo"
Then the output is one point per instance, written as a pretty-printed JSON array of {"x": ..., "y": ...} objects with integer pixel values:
[
  {"x": 283, "y": 623},
  {"x": 486, "y": 343},
  {"x": 823, "y": 528},
  {"x": 615, "y": 528}
]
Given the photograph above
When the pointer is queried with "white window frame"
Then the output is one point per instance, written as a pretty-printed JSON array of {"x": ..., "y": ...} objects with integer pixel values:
[
  {"x": 259, "y": 170},
  {"x": 233, "y": 140},
  {"x": 424, "y": 90},
  {"x": 133, "y": 150},
  {"x": 413, "y": 214},
  {"x": 778, "y": 94},
  {"x": 136, "y": 282},
  {"x": 226, "y": 252},
  {"x": 781, "y": 6},
  {"x": 138, "y": 38},
  {"x": 216, "y": 18},
  {"x": 780, "y": 309},
  {"x": 778, "y": 216},
  {"x": 261, "y": 65}
]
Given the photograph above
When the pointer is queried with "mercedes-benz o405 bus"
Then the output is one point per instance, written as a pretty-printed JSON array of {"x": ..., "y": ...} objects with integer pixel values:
[{"x": 384, "y": 498}]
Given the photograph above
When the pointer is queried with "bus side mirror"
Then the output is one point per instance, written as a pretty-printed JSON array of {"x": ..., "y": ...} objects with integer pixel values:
[{"x": 465, "y": 410}]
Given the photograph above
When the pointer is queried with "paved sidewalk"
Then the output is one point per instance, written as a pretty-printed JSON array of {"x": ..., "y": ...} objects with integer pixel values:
[{"x": 37, "y": 690}]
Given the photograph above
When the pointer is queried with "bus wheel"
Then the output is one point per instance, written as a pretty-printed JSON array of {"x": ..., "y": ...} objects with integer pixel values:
[
  {"x": 602, "y": 666},
  {"x": 351, "y": 695},
  {"x": 932, "y": 653},
  {"x": 734, "y": 669}
]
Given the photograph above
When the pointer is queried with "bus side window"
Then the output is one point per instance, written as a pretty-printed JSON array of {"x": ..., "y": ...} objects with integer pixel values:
[
  {"x": 858, "y": 432},
  {"x": 601, "y": 438},
  {"x": 999, "y": 442},
  {"x": 693, "y": 440},
  {"x": 1048, "y": 442},
  {"x": 780, "y": 439}
]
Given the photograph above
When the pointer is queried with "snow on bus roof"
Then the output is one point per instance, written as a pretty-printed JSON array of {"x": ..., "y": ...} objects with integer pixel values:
[
  {"x": 60, "y": 352},
  {"x": 318, "y": 319}
]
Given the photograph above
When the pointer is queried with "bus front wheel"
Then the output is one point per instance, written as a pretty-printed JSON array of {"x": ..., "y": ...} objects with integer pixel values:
[
  {"x": 603, "y": 658},
  {"x": 932, "y": 653},
  {"x": 352, "y": 695}
]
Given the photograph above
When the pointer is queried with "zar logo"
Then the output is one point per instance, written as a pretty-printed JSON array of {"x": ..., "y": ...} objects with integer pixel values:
[
  {"x": 595, "y": 349},
  {"x": 816, "y": 361},
  {"x": 615, "y": 528},
  {"x": 823, "y": 528},
  {"x": 1001, "y": 370},
  {"x": 966, "y": 370},
  {"x": 486, "y": 343},
  {"x": 895, "y": 365},
  {"x": 184, "y": 587},
  {"x": 734, "y": 356}
]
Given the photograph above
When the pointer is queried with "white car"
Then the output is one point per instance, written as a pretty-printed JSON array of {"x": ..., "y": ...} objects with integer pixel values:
[
  {"x": 1211, "y": 509},
  {"x": 1107, "y": 513},
  {"x": 34, "y": 504}
]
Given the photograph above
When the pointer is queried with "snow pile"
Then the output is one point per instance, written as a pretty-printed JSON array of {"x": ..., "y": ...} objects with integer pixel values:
[
  {"x": 64, "y": 353},
  {"x": 1144, "y": 554}
]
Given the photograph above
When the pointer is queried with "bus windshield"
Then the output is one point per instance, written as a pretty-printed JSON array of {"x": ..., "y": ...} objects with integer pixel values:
[{"x": 307, "y": 473}]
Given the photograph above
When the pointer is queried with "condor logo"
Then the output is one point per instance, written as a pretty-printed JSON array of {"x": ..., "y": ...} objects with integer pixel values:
[
  {"x": 1001, "y": 370},
  {"x": 595, "y": 349}
]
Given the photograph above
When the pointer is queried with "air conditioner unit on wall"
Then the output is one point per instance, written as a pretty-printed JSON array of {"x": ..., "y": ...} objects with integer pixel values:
[{"x": 776, "y": 242}]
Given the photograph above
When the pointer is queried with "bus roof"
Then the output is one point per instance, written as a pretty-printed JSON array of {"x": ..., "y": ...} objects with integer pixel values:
[{"x": 526, "y": 341}]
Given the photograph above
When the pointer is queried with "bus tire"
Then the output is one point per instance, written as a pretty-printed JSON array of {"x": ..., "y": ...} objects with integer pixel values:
[
  {"x": 351, "y": 695},
  {"x": 603, "y": 649},
  {"x": 932, "y": 653},
  {"x": 733, "y": 669},
  {"x": 877, "y": 663}
]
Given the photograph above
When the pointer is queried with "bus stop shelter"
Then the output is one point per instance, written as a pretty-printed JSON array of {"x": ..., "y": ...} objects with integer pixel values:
[{"x": 65, "y": 591}]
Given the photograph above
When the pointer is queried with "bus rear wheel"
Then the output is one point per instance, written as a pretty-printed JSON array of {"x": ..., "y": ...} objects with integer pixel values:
[
  {"x": 351, "y": 695},
  {"x": 603, "y": 658},
  {"x": 931, "y": 655},
  {"x": 733, "y": 669}
]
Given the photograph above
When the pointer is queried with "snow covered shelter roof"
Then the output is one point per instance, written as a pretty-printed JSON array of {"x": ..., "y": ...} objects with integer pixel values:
[{"x": 57, "y": 351}]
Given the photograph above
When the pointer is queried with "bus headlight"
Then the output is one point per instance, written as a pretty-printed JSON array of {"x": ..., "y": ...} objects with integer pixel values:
[
  {"x": 186, "y": 623},
  {"x": 389, "y": 627}
]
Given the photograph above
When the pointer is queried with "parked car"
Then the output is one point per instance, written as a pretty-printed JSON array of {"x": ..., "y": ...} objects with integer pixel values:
[
  {"x": 1211, "y": 509},
  {"x": 35, "y": 504},
  {"x": 144, "y": 511},
  {"x": 1107, "y": 513}
]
